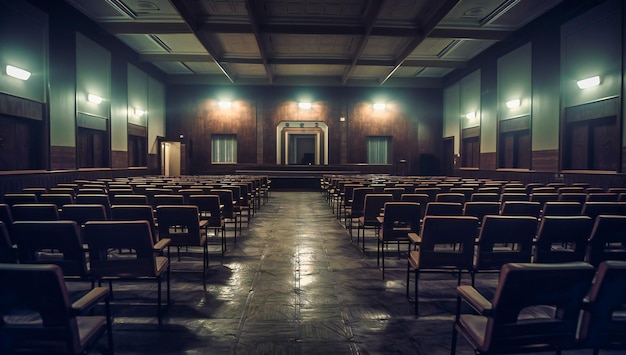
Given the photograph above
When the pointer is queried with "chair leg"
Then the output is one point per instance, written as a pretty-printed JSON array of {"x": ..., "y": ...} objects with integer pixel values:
[
  {"x": 416, "y": 298},
  {"x": 408, "y": 278},
  {"x": 159, "y": 317},
  {"x": 107, "y": 312}
]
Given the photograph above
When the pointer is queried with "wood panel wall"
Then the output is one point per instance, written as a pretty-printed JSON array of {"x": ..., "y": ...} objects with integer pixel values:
[{"x": 412, "y": 119}]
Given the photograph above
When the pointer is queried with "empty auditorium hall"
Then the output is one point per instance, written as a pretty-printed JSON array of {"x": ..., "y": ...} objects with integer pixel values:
[{"x": 312, "y": 177}]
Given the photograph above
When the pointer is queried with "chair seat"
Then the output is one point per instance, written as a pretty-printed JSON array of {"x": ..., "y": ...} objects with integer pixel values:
[{"x": 89, "y": 327}]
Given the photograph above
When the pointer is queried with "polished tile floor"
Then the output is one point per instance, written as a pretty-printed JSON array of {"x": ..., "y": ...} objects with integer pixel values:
[{"x": 294, "y": 283}]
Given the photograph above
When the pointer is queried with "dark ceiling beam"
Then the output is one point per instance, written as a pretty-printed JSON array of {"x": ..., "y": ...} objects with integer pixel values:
[
  {"x": 189, "y": 17},
  {"x": 145, "y": 27},
  {"x": 427, "y": 27},
  {"x": 470, "y": 34},
  {"x": 190, "y": 58},
  {"x": 370, "y": 18},
  {"x": 255, "y": 18}
]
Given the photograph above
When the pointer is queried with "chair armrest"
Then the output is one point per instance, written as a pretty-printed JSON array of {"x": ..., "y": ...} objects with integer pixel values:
[
  {"x": 380, "y": 219},
  {"x": 89, "y": 300},
  {"x": 415, "y": 238},
  {"x": 161, "y": 244},
  {"x": 475, "y": 299},
  {"x": 203, "y": 223}
]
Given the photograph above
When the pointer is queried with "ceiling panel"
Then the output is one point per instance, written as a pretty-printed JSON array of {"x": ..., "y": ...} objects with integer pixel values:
[{"x": 282, "y": 41}]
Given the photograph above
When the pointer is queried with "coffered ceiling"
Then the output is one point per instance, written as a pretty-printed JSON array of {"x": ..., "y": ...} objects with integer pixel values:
[{"x": 311, "y": 42}]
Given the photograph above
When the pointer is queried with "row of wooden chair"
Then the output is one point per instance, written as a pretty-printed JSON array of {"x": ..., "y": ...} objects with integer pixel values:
[{"x": 572, "y": 306}]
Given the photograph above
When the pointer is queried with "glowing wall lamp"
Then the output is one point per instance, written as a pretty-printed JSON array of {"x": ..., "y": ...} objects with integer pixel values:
[
  {"x": 513, "y": 103},
  {"x": 304, "y": 105},
  {"x": 588, "y": 82},
  {"x": 379, "y": 106},
  {"x": 17, "y": 72},
  {"x": 470, "y": 115},
  {"x": 224, "y": 104},
  {"x": 139, "y": 112},
  {"x": 94, "y": 98}
]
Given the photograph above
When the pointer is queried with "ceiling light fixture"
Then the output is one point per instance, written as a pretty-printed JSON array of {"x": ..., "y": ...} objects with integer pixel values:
[
  {"x": 513, "y": 103},
  {"x": 589, "y": 82},
  {"x": 224, "y": 104},
  {"x": 17, "y": 73},
  {"x": 304, "y": 105},
  {"x": 379, "y": 106},
  {"x": 94, "y": 98}
]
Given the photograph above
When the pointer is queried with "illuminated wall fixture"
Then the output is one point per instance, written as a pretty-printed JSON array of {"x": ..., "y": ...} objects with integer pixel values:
[
  {"x": 304, "y": 105},
  {"x": 588, "y": 82},
  {"x": 379, "y": 106},
  {"x": 94, "y": 98},
  {"x": 470, "y": 115},
  {"x": 513, "y": 103},
  {"x": 224, "y": 104},
  {"x": 139, "y": 112},
  {"x": 17, "y": 72},
  {"x": 342, "y": 119}
]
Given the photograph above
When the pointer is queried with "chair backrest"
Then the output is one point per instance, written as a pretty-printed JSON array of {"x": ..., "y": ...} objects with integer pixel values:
[
  {"x": 521, "y": 208},
  {"x": 180, "y": 223},
  {"x": 524, "y": 285},
  {"x": 102, "y": 236},
  {"x": 168, "y": 199},
  {"x": 513, "y": 196},
  {"x": 187, "y": 192},
  {"x": 7, "y": 253},
  {"x": 58, "y": 199},
  {"x": 358, "y": 199},
  {"x": 450, "y": 197},
  {"x": 13, "y": 198},
  {"x": 602, "y": 197},
  {"x": 439, "y": 234},
  {"x": 467, "y": 191},
  {"x": 94, "y": 199},
  {"x": 35, "y": 212},
  {"x": 81, "y": 214},
  {"x": 594, "y": 209},
  {"x": 208, "y": 208},
  {"x": 562, "y": 239},
  {"x": 430, "y": 191},
  {"x": 129, "y": 199},
  {"x": 561, "y": 208},
  {"x": 400, "y": 218},
  {"x": 396, "y": 192},
  {"x": 516, "y": 232},
  {"x": 485, "y": 197},
  {"x": 373, "y": 206},
  {"x": 543, "y": 197},
  {"x": 480, "y": 209},
  {"x": 40, "y": 289},
  {"x": 135, "y": 213},
  {"x": 443, "y": 209},
  {"x": 573, "y": 196},
  {"x": 599, "y": 325},
  {"x": 51, "y": 242},
  {"x": 226, "y": 199},
  {"x": 607, "y": 240},
  {"x": 5, "y": 215}
]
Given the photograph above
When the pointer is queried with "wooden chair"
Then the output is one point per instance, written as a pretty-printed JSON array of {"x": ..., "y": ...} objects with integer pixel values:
[
  {"x": 7, "y": 252},
  {"x": 562, "y": 239},
  {"x": 399, "y": 219},
  {"x": 181, "y": 224},
  {"x": 445, "y": 245},
  {"x": 603, "y": 321},
  {"x": 521, "y": 208},
  {"x": 503, "y": 325},
  {"x": 105, "y": 237},
  {"x": 607, "y": 240},
  {"x": 52, "y": 324},
  {"x": 372, "y": 208},
  {"x": 35, "y": 212},
  {"x": 561, "y": 208}
]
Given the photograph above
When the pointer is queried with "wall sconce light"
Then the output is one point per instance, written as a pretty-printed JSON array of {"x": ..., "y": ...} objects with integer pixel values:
[
  {"x": 139, "y": 112},
  {"x": 224, "y": 104},
  {"x": 304, "y": 105},
  {"x": 588, "y": 82},
  {"x": 17, "y": 72},
  {"x": 94, "y": 98},
  {"x": 470, "y": 115},
  {"x": 513, "y": 103},
  {"x": 379, "y": 106},
  {"x": 342, "y": 119}
]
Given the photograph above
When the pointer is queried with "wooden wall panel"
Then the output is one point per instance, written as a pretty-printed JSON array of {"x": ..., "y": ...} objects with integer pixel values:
[
  {"x": 62, "y": 158},
  {"x": 545, "y": 160},
  {"x": 488, "y": 161},
  {"x": 119, "y": 159}
]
